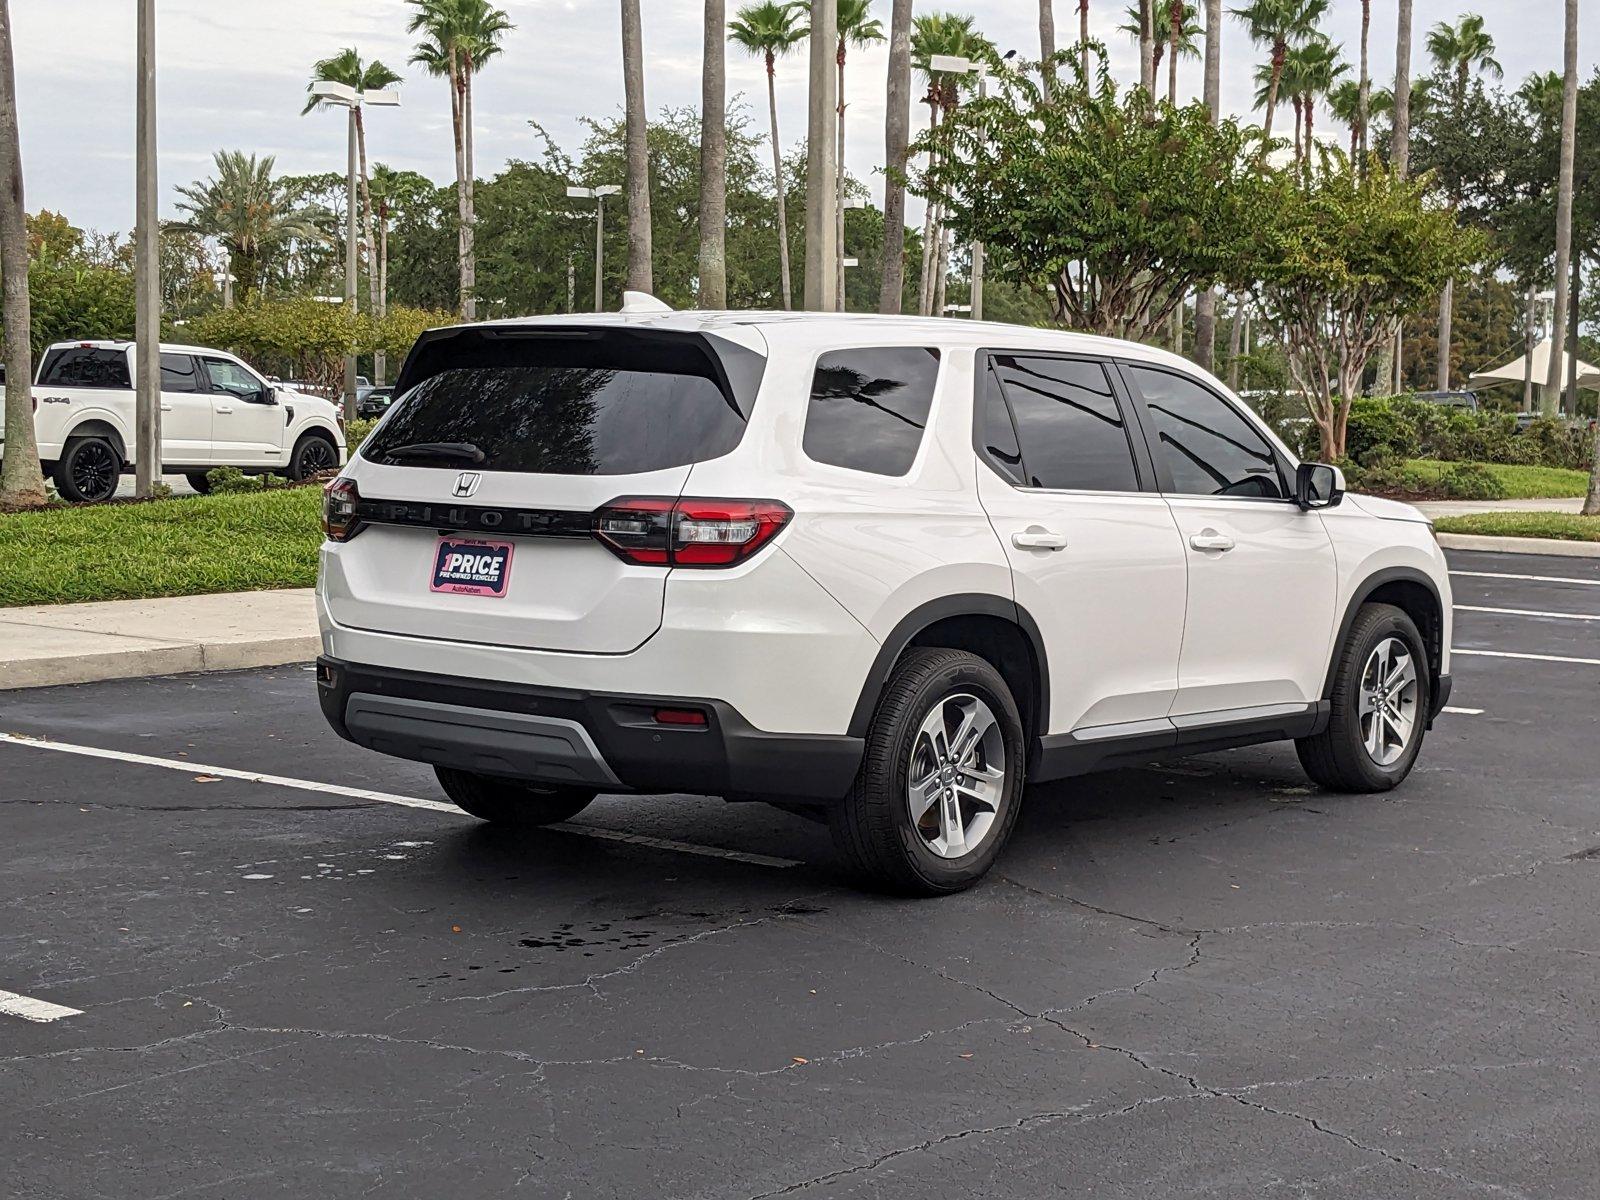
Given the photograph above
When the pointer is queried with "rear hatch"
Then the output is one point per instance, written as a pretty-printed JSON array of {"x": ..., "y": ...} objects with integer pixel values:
[{"x": 502, "y": 444}]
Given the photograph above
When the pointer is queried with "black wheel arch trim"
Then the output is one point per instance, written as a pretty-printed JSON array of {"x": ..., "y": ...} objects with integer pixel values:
[
  {"x": 97, "y": 427},
  {"x": 967, "y": 604},
  {"x": 1439, "y": 688}
]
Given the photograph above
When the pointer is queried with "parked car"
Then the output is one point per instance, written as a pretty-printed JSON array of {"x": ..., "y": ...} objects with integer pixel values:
[
  {"x": 878, "y": 571},
  {"x": 1462, "y": 399},
  {"x": 375, "y": 403},
  {"x": 215, "y": 411}
]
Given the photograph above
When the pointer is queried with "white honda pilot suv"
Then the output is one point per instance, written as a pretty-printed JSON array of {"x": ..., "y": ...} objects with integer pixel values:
[{"x": 880, "y": 571}]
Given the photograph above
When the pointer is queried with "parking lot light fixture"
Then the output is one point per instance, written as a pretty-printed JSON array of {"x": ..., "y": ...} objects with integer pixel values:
[{"x": 598, "y": 195}]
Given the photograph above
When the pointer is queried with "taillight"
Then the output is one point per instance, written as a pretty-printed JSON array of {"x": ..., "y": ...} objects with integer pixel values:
[
  {"x": 339, "y": 500},
  {"x": 688, "y": 532}
]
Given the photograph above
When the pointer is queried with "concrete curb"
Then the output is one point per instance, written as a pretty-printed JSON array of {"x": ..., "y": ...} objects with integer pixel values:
[
  {"x": 1555, "y": 547},
  {"x": 51, "y": 645}
]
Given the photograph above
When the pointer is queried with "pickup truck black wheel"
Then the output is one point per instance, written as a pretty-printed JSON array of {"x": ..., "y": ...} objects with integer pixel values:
[
  {"x": 313, "y": 454},
  {"x": 1382, "y": 694},
  {"x": 87, "y": 470},
  {"x": 200, "y": 481},
  {"x": 511, "y": 801},
  {"x": 941, "y": 781}
]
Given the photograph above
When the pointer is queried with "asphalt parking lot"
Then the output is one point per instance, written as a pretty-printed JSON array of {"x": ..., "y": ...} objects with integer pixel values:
[{"x": 1202, "y": 978}]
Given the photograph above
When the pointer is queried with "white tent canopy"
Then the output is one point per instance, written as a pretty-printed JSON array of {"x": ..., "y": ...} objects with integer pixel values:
[{"x": 1514, "y": 371}]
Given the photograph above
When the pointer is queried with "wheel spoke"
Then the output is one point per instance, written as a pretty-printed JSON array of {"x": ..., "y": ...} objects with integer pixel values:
[
  {"x": 952, "y": 829},
  {"x": 1403, "y": 675},
  {"x": 924, "y": 795},
  {"x": 965, "y": 739},
  {"x": 1374, "y": 738},
  {"x": 1365, "y": 704}
]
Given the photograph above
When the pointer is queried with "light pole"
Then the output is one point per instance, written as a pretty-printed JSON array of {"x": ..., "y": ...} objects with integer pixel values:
[
  {"x": 147, "y": 270},
  {"x": 956, "y": 64},
  {"x": 351, "y": 99},
  {"x": 598, "y": 195},
  {"x": 853, "y": 202}
]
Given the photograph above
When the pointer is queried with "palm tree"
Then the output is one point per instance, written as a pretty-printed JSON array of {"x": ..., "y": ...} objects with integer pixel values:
[
  {"x": 1183, "y": 30},
  {"x": 1310, "y": 72},
  {"x": 714, "y": 159},
  {"x": 21, "y": 481},
  {"x": 935, "y": 34},
  {"x": 1358, "y": 152},
  {"x": 772, "y": 30},
  {"x": 640, "y": 275},
  {"x": 896, "y": 135},
  {"x": 1460, "y": 47},
  {"x": 1083, "y": 35},
  {"x": 1280, "y": 25},
  {"x": 248, "y": 211},
  {"x": 347, "y": 68},
  {"x": 1047, "y": 45},
  {"x": 1205, "y": 304},
  {"x": 459, "y": 36},
  {"x": 1399, "y": 164},
  {"x": 1354, "y": 110},
  {"x": 1564, "y": 197},
  {"x": 857, "y": 27}
]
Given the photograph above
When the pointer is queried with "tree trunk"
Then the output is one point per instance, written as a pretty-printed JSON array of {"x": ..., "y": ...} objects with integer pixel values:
[
  {"x": 465, "y": 300},
  {"x": 1364, "y": 92},
  {"x": 941, "y": 267},
  {"x": 1205, "y": 304},
  {"x": 713, "y": 265},
  {"x": 1235, "y": 342},
  {"x": 896, "y": 133},
  {"x": 1569, "y": 129},
  {"x": 1400, "y": 143},
  {"x": 838, "y": 188},
  {"x": 21, "y": 482},
  {"x": 1047, "y": 45},
  {"x": 1174, "y": 32},
  {"x": 821, "y": 230},
  {"x": 1278, "y": 52},
  {"x": 469, "y": 233},
  {"x": 639, "y": 278},
  {"x": 1446, "y": 305},
  {"x": 925, "y": 262},
  {"x": 1147, "y": 47},
  {"x": 777, "y": 175},
  {"x": 1083, "y": 38}
]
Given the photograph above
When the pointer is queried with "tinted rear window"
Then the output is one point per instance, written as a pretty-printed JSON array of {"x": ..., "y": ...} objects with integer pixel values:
[
  {"x": 611, "y": 404},
  {"x": 86, "y": 367},
  {"x": 869, "y": 407}
]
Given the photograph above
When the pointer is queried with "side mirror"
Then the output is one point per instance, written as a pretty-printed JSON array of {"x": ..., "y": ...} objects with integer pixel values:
[
  {"x": 267, "y": 395},
  {"x": 1317, "y": 485}
]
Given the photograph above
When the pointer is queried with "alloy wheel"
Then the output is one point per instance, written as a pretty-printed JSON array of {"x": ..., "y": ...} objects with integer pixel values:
[
  {"x": 316, "y": 456},
  {"x": 94, "y": 470},
  {"x": 957, "y": 775},
  {"x": 1388, "y": 701}
]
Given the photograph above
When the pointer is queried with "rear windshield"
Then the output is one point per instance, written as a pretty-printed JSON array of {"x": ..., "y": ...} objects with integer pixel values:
[
  {"x": 85, "y": 367},
  {"x": 614, "y": 403}
]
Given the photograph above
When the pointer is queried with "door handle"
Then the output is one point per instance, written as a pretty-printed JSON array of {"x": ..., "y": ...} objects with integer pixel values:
[
  {"x": 166, "y": 408},
  {"x": 1039, "y": 539},
  {"x": 224, "y": 408},
  {"x": 1210, "y": 539}
]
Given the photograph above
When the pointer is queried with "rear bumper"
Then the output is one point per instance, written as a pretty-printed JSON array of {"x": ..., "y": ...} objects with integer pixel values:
[{"x": 607, "y": 741}]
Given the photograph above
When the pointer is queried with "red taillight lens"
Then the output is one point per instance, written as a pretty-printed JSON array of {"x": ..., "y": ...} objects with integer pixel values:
[
  {"x": 688, "y": 532},
  {"x": 680, "y": 716},
  {"x": 339, "y": 500}
]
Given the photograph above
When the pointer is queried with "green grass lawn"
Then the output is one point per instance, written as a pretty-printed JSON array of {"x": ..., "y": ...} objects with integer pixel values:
[
  {"x": 178, "y": 547},
  {"x": 1521, "y": 483},
  {"x": 1566, "y": 526}
]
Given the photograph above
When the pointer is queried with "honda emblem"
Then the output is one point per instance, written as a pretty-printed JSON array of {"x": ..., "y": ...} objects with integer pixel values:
[{"x": 466, "y": 484}]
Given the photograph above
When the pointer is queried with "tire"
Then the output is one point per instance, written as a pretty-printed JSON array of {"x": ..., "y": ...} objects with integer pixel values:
[
  {"x": 511, "y": 801},
  {"x": 882, "y": 845},
  {"x": 200, "y": 481},
  {"x": 1341, "y": 758},
  {"x": 88, "y": 469},
  {"x": 313, "y": 454}
]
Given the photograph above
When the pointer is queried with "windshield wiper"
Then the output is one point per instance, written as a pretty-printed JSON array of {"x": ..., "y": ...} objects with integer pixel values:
[{"x": 453, "y": 451}]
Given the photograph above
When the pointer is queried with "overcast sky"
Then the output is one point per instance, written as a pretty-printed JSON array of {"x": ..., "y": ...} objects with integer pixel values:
[{"x": 232, "y": 74}]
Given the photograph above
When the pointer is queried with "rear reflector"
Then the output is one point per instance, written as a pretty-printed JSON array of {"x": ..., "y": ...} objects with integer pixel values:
[
  {"x": 679, "y": 716},
  {"x": 688, "y": 531}
]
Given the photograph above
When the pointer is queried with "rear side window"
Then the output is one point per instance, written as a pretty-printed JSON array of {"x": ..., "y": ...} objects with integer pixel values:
[
  {"x": 603, "y": 404},
  {"x": 179, "y": 374},
  {"x": 1208, "y": 447},
  {"x": 1070, "y": 431},
  {"x": 869, "y": 407},
  {"x": 87, "y": 367}
]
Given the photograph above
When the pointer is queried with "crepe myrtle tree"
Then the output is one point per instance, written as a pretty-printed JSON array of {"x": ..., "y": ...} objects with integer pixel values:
[
  {"x": 1119, "y": 209},
  {"x": 1345, "y": 258}
]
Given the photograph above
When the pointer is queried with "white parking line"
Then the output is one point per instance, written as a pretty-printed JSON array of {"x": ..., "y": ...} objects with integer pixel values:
[
  {"x": 1527, "y": 612},
  {"x": 1528, "y": 578},
  {"x": 29, "y": 1009},
  {"x": 336, "y": 789},
  {"x": 1464, "y": 712},
  {"x": 1587, "y": 662}
]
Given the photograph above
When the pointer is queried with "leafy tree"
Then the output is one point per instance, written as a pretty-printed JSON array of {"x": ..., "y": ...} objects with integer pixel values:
[
  {"x": 1119, "y": 210},
  {"x": 248, "y": 211},
  {"x": 1347, "y": 256},
  {"x": 1280, "y": 25}
]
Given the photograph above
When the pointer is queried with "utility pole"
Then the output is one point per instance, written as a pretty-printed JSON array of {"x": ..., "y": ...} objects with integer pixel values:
[
  {"x": 822, "y": 254},
  {"x": 146, "y": 269}
]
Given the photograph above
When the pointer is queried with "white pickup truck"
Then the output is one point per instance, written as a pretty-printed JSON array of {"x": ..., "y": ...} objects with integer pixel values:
[{"x": 216, "y": 411}]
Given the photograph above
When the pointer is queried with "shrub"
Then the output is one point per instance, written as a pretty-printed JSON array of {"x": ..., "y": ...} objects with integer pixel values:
[
  {"x": 1471, "y": 481},
  {"x": 229, "y": 480},
  {"x": 355, "y": 432},
  {"x": 1380, "y": 429}
]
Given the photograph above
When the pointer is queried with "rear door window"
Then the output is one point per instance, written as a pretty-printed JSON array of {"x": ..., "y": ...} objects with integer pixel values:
[
  {"x": 605, "y": 404},
  {"x": 87, "y": 367},
  {"x": 869, "y": 408},
  {"x": 179, "y": 374},
  {"x": 1069, "y": 427}
]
